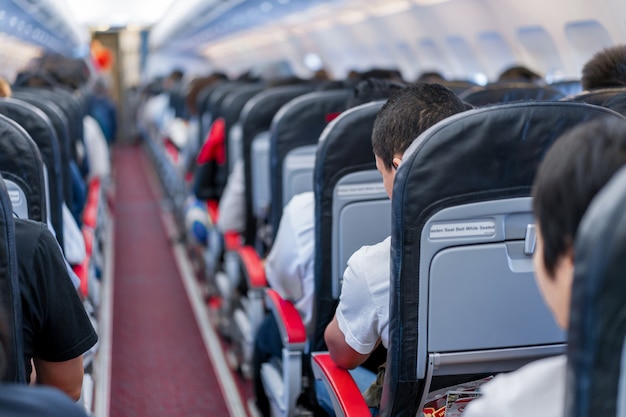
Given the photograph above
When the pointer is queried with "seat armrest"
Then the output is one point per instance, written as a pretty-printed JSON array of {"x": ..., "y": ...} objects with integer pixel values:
[
  {"x": 288, "y": 320},
  {"x": 252, "y": 267},
  {"x": 343, "y": 391}
]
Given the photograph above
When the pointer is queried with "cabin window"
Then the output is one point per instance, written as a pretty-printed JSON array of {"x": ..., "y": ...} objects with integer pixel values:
[
  {"x": 495, "y": 52},
  {"x": 539, "y": 44},
  {"x": 587, "y": 37}
]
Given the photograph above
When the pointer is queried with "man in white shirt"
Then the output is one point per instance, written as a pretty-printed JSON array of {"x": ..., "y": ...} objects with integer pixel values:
[
  {"x": 361, "y": 320},
  {"x": 575, "y": 168}
]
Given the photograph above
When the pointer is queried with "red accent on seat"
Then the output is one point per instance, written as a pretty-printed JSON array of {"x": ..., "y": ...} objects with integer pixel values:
[
  {"x": 232, "y": 241},
  {"x": 253, "y": 266},
  {"x": 213, "y": 147},
  {"x": 288, "y": 316},
  {"x": 90, "y": 213},
  {"x": 82, "y": 272},
  {"x": 331, "y": 116},
  {"x": 171, "y": 150},
  {"x": 212, "y": 207},
  {"x": 88, "y": 236},
  {"x": 342, "y": 385}
]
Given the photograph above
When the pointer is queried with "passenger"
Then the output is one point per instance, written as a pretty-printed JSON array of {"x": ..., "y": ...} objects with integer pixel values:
[
  {"x": 575, "y": 168},
  {"x": 289, "y": 265},
  {"x": 606, "y": 69},
  {"x": 18, "y": 400},
  {"x": 361, "y": 320},
  {"x": 57, "y": 330},
  {"x": 519, "y": 73}
]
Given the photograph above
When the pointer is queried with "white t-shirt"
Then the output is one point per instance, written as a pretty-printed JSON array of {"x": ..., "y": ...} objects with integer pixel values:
[
  {"x": 537, "y": 389},
  {"x": 97, "y": 149},
  {"x": 363, "y": 310},
  {"x": 289, "y": 265},
  {"x": 232, "y": 207}
]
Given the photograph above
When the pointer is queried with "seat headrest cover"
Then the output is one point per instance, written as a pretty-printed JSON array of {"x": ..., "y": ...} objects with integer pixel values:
[
  {"x": 20, "y": 162},
  {"x": 598, "y": 313}
]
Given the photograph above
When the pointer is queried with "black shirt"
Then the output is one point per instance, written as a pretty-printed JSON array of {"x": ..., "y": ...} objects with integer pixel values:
[{"x": 56, "y": 326}]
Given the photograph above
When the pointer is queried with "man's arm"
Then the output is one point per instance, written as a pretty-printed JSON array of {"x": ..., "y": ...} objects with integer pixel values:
[
  {"x": 66, "y": 376},
  {"x": 340, "y": 352}
]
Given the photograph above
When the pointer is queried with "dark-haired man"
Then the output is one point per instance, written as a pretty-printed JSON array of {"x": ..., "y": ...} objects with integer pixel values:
[{"x": 606, "y": 69}]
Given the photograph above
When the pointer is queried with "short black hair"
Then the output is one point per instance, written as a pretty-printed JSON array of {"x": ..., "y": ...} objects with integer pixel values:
[
  {"x": 407, "y": 114},
  {"x": 605, "y": 69},
  {"x": 574, "y": 169},
  {"x": 519, "y": 73},
  {"x": 373, "y": 89}
]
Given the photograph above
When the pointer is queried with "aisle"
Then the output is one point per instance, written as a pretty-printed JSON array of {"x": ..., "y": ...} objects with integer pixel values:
[{"x": 160, "y": 366}]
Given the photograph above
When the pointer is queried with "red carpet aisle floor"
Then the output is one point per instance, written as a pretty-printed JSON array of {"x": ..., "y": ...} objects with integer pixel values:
[{"x": 160, "y": 367}]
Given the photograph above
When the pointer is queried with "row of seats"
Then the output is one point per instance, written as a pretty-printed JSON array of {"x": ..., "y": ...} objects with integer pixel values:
[
  {"x": 40, "y": 162},
  {"x": 294, "y": 149}
]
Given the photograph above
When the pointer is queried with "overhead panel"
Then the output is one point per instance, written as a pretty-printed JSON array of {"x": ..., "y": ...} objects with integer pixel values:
[
  {"x": 42, "y": 23},
  {"x": 228, "y": 17}
]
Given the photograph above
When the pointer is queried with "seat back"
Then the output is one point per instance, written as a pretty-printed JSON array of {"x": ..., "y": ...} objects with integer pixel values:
[
  {"x": 348, "y": 200},
  {"x": 205, "y": 116},
  {"x": 597, "y": 328},
  {"x": 294, "y": 133},
  {"x": 10, "y": 300},
  {"x": 40, "y": 129},
  {"x": 508, "y": 92},
  {"x": 596, "y": 96},
  {"x": 231, "y": 109},
  {"x": 61, "y": 127},
  {"x": 256, "y": 117},
  {"x": 462, "y": 241},
  {"x": 23, "y": 171},
  {"x": 617, "y": 103}
]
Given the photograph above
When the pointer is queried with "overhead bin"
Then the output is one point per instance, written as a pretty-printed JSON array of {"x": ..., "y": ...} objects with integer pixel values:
[{"x": 45, "y": 24}]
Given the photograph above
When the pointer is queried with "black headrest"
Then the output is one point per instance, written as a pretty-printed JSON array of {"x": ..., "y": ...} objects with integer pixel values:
[
  {"x": 617, "y": 103},
  {"x": 489, "y": 153},
  {"x": 344, "y": 147},
  {"x": 597, "y": 324},
  {"x": 20, "y": 162},
  {"x": 10, "y": 300},
  {"x": 508, "y": 92},
  {"x": 596, "y": 96},
  {"x": 233, "y": 101},
  {"x": 70, "y": 107},
  {"x": 59, "y": 121},
  {"x": 298, "y": 123},
  {"x": 256, "y": 117},
  {"x": 38, "y": 126}
]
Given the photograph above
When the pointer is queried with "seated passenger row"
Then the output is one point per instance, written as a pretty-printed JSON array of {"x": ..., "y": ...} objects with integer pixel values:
[
  {"x": 43, "y": 179},
  {"x": 512, "y": 248}
]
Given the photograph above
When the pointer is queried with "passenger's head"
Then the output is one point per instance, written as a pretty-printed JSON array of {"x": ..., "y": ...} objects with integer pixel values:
[
  {"x": 574, "y": 169},
  {"x": 430, "y": 77},
  {"x": 373, "y": 89},
  {"x": 607, "y": 68},
  {"x": 405, "y": 116},
  {"x": 519, "y": 73}
]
